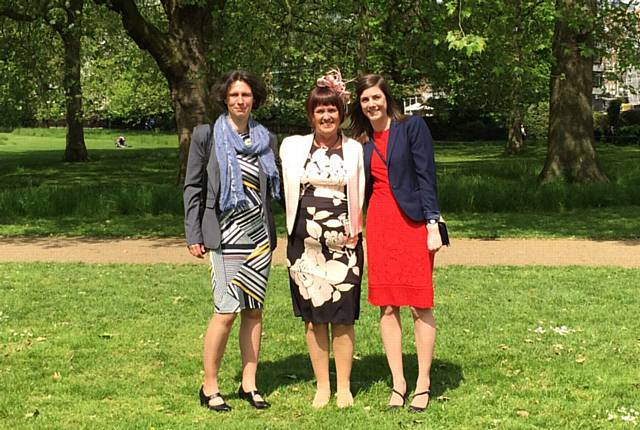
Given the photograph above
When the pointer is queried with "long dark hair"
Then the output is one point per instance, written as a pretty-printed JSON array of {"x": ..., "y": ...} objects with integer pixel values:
[
  {"x": 361, "y": 128},
  {"x": 257, "y": 87}
]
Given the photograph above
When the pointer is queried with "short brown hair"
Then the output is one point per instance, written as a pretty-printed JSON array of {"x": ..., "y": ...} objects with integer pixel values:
[
  {"x": 323, "y": 96},
  {"x": 257, "y": 87}
]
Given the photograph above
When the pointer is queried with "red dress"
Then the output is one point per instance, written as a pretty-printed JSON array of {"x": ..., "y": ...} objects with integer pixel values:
[{"x": 400, "y": 265}]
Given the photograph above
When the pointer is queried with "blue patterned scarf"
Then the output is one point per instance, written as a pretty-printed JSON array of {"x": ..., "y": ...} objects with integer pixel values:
[{"x": 228, "y": 143}]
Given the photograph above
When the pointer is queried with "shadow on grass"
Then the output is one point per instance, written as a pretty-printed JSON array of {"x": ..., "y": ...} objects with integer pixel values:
[
  {"x": 140, "y": 165},
  {"x": 366, "y": 372},
  {"x": 373, "y": 369}
]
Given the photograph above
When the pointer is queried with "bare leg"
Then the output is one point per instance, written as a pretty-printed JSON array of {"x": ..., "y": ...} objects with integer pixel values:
[
  {"x": 249, "y": 336},
  {"x": 215, "y": 343},
  {"x": 318, "y": 344},
  {"x": 343, "y": 339},
  {"x": 391, "y": 333},
  {"x": 425, "y": 331}
]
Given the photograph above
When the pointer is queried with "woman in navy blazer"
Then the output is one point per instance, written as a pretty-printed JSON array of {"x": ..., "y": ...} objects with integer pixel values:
[{"x": 402, "y": 228}]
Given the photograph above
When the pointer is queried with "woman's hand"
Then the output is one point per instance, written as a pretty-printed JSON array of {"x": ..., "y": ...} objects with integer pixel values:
[
  {"x": 434, "y": 241},
  {"x": 197, "y": 250},
  {"x": 352, "y": 242}
]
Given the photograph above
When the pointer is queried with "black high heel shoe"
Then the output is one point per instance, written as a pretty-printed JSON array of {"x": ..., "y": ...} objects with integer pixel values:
[
  {"x": 249, "y": 397},
  {"x": 403, "y": 396},
  {"x": 417, "y": 409},
  {"x": 204, "y": 401}
]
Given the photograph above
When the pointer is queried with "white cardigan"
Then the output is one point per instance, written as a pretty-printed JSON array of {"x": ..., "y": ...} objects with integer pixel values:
[{"x": 293, "y": 153}]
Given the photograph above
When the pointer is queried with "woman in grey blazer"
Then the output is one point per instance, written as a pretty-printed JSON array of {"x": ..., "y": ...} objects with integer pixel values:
[{"x": 231, "y": 178}]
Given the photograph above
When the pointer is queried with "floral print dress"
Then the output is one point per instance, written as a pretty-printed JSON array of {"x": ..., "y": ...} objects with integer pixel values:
[{"x": 325, "y": 265}]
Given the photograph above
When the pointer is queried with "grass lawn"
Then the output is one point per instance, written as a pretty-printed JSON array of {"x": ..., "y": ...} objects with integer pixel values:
[
  {"x": 118, "y": 346},
  {"x": 133, "y": 192}
]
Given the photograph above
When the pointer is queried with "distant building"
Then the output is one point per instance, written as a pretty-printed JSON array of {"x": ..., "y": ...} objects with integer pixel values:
[
  {"x": 605, "y": 89},
  {"x": 419, "y": 104},
  {"x": 609, "y": 85}
]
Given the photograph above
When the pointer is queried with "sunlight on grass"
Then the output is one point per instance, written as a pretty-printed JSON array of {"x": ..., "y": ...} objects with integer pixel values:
[{"x": 118, "y": 346}]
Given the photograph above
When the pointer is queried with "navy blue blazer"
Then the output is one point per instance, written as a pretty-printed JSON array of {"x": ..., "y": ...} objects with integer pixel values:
[{"x": 411, "y": 167}]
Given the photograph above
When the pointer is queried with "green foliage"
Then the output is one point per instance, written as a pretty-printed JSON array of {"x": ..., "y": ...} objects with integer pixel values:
[
  {"x": 121, "y": 345},
  {"x": 537, "y": 121},
  {"x": 469, "y": 43},
  {"x": 121, "y": 83},
  {"x": 630, "y": 130},
  {"x": 29, "y": 70},
  {"x": 630, "y": 117},
  {"x": 600, "y": 122}
]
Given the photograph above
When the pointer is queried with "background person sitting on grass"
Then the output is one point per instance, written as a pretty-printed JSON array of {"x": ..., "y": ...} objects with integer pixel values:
[{"x": 121, "y": 142}]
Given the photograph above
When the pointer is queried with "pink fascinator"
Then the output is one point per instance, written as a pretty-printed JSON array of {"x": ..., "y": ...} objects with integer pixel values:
[{"x": 333, "y": 81}]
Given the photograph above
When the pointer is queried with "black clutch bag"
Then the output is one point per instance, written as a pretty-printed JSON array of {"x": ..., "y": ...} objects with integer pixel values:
[{"x": 444, "y": 233}]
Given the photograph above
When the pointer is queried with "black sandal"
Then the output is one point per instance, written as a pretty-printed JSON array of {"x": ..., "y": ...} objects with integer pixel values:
[
  {"x": 403, "y": 396},
  {"x": 204, "y": 401},
  {"x": 418, "y": 409},
  {"x": 249, "y": 397}
]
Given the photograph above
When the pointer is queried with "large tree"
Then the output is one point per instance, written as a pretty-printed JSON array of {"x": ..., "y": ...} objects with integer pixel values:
[
  {"x": 571, "y": 154},
  {"x": 65, "y": 17},
  {"x": 182, "y": 39}
]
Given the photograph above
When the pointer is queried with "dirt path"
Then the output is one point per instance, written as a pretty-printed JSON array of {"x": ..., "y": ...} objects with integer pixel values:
[{"x": 471, "y": 252}]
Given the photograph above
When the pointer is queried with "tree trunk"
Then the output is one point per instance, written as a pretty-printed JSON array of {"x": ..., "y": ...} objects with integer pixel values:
[
  {"x": 182, "y": 56},
  {"x": 515, "y": 141},
  {"x": 571, "y": 153},
  {"x": 75, "y": 150},
  {"x": 192, "y": 107},
  {"x": 70, "y": 31}
]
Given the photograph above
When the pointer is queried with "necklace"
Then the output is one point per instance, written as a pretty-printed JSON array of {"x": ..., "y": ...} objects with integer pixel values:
[{"x": 324, "y": 146}]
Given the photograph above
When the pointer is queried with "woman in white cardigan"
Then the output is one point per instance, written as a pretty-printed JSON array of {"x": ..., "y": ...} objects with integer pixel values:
[{"x": 323, "y": 180}]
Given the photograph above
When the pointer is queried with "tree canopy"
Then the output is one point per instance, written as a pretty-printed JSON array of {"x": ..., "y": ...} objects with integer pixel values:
[{"x": 140, "y": 58}]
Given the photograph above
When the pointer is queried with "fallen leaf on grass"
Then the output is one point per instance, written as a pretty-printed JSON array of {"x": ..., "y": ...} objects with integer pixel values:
[
  {"x": 557, "y": 348},
  {"x": 56, "y": 376},
  {"x": 503, "y": 347},
  {"x": 105, "y": 335},
  {"x": 580, "y": 359},
  {"x": 176, "y": 299},
  {"x": 523, "y": 413}
]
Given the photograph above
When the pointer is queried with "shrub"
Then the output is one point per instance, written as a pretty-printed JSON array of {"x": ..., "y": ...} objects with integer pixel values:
[
  {"x": 630, "y": 117},
  {"x": 537, "y": 121}
]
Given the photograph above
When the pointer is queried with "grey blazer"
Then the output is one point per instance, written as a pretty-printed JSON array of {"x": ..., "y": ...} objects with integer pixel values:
[{"x": 207, "y": 229}]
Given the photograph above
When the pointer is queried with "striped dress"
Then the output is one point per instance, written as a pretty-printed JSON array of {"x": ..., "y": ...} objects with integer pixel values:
[{"x": 240, "y": 266}]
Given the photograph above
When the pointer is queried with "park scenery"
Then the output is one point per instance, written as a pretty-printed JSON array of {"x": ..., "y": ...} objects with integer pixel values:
[{"x": 535, "y": 115}]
